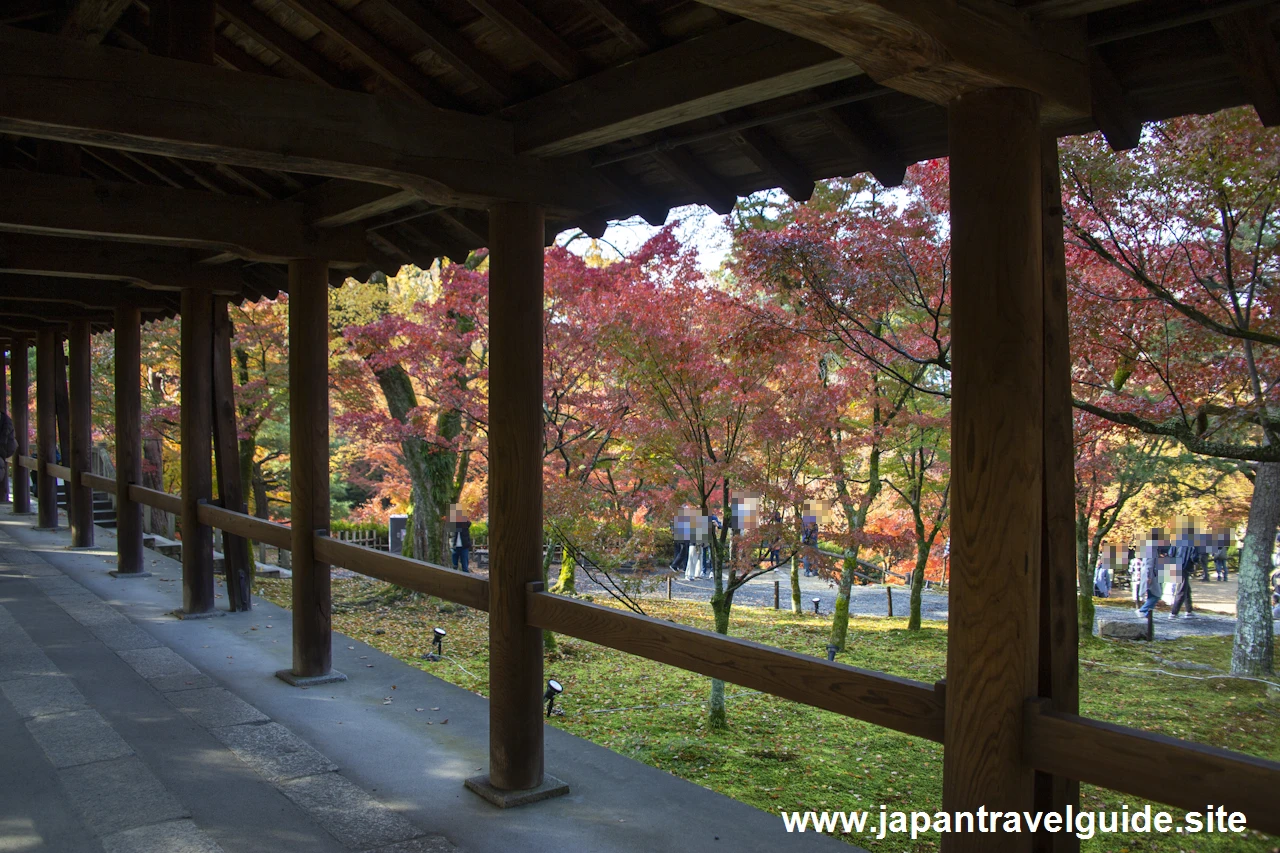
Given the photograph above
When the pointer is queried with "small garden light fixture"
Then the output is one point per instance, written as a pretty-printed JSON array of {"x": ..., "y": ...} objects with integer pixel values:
[
  {"x": 553, "y": 690},
  {"x": 437, "y": 640},
  {"x": 816, "y": 602}
]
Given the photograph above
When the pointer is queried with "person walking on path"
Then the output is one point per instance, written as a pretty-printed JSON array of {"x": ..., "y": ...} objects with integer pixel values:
[
  {"x": 460, "y": 538},
  {"x": 1149, "y": 572},
  {"x": 1220, "y": 556},
  {"x": 1186, "y": 557},
  {"x": 694, "y": 569},
  {"x": 1102, "y": 577},
  {"x": 683, "y": 533}
]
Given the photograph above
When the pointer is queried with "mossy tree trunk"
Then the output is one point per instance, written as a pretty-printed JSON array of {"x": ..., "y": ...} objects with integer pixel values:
[
  {"x": 1254, "y": 647},
  {"x": 1084, "y": 573}
]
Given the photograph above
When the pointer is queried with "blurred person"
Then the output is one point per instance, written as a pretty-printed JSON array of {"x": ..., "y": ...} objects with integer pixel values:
[{"x": 460, "y": 538}]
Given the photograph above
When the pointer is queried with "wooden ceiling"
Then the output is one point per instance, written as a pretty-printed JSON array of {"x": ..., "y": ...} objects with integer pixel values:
[{"x": 602, "y": 109}]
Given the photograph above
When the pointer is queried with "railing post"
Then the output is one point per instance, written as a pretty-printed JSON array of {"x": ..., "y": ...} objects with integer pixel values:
[
  {"x": 128, "y": 393},
  {"x": 19, "y": 376},
  {"x": 195, "y": 425},
  {"x": 46, "y": 429},
  {"x": 516, "y": 239},
  {"x": 4, "y": 406},
  {"x": 309, "y": 469},
  {"x": 80, "y": 496},
  {"x": 997, "y": 436}
]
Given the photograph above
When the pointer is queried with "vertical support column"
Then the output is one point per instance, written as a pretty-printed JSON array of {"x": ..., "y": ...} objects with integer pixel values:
[
  {"x": 80, "y": 496},
  {"x": 997, "y": 452},
  {"x": 4, "y": 406},
  {"x": 195, "y": 425},
  {"x": 19, "y": 375},
  {"x": 62, "y": 403},
  {"x": 309, "y": 470},
  {"x": 1059, "y": 627},
  {"x": 128, "y": 325},
  {"x": 226, "y": 457},
  {"x": 46, "y": 431},
  {"x": 515, "y": 504}
]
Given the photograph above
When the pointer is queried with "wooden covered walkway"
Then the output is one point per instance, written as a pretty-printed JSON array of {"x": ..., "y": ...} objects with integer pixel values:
[{"x": 167, "y": 157}]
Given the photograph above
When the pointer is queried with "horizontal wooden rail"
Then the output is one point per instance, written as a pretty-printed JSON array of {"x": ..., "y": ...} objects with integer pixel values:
[
  {"x": 429, "y": 578},
  {"x": 96, "y": 481},
  {"x": 896, "y": 703},
  {"x": 29, "y": 462},
  {"x": 159, "y": 500},
  {"x": 62, "y": 472},
  {"x": 1177, "y": 772},
  {"x": 247, "y": 526}
]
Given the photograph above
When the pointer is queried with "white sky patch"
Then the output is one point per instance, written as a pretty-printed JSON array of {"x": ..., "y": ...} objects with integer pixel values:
[{"x": 700, "y": 227}]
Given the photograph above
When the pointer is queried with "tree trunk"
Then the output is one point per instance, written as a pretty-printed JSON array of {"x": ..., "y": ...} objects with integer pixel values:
[
  {"x": 796, "y": 605},
  {"x": 548, "y": 638},
  {"x": 1253, "y": 651},
  {"x": 917, "y": 583},
  {"x": 566, "y": 584},
  {"x": 720, "y": 605},
  {"x": 1084, "y": 574}
]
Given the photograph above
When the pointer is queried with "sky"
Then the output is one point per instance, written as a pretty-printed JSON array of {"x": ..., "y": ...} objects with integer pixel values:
[{"x": 700, "y": 227}]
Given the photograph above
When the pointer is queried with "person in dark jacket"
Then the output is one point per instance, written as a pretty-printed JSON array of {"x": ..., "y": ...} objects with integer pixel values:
[
  {"x": 460, "y": 538},
  {"x": 1186, "y": 557}
]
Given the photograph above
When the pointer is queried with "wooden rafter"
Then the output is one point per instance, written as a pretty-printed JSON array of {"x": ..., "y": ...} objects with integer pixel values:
[
  {"x": 494, "y": 82},
  {"x": 398, "y": 72},
  {"x": 763, "y": 150},
  {"x": 293, "y": 52},
  {"x": 107, "y": 96},
  {"x": 337, "y": 202},
  {"x": 1111, "y": 110},
  {"x": 688, "y": 170},
  {"x": 99, "y": 209},
  {"x": 866, "y": 141},
  {"x": 939, "y": 49},
  {"x": 526, "y": 27},
  {"x": 742, "y": 64},
  {"x": 626, "y": 22},
  {"x": 91, "y": 20},
  {"x": 85, "y": 293}
]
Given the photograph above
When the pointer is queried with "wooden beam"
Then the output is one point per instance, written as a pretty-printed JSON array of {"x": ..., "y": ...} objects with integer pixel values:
[
  {"x": 46, "y": 429},
  {"x": 864, "y": 139},
  {"x": 309, "y": 452},
  {"x": 938, "y": 49},
  {"x": 687, "y": 169},
  {"x": 742, "y": 64},
  {"x": 40, "y": 289},
  {"x": 4, "y": 407},
  {"x": 293, "y": 52},
  {"x": 195, "y": 427},
  {"x": 494, "y": 82},
  {"x": 156, "y": 267},
  {"x": 336, "y": 202},
  {"x": 128, "y": 429},
  {"x": 542, "y": 41},
  {"x": 184, "y": 29},
  {"x": 1250, "y": 43},
  {"x": 370, "y": 51},
  {"x": 1111, "y": 111},
  {"x": 91, "y": 20},
  {"x": 515, "y": 494},
  {"x": 20, "y": 384},
  {"x": 131, "y": 101},
  {"x": 79, "y": 374},
  {"x": 626, "y": 22},
  {"x": 21, "y": 11},
  {"x": 252, "y": 228},
  {"x": 770, "y": 158},
  {"x": 997, "y": 324}
]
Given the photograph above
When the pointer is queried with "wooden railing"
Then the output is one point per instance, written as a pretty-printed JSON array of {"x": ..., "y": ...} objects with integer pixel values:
[{"x": 1164, "y": 769}]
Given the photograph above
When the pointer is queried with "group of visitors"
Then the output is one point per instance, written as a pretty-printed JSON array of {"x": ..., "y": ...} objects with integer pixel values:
[
  {"x": 1161, "y": 559},
  {"x": 694, "y": 535}
]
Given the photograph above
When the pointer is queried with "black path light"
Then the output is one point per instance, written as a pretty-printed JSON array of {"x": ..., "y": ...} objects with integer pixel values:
[
  {"x": 437, "y": 640},
  {"x": 553, "y": 690},
  {"x": 816, "y": 602},
  {"x": 832, "y": 648}
]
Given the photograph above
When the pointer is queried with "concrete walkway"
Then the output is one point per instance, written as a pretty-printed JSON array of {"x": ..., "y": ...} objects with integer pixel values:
[{"x": 126, "y": 729}]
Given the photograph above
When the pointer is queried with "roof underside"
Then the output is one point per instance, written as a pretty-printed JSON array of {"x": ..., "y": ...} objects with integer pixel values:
[{"x": 663, "y": 102}]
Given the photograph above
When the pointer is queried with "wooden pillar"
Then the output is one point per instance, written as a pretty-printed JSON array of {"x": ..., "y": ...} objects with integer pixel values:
[
  {"x": 79, "y": 495},
  {"x": 515, "y": 493},
  {"x": 128, "y": 325},
  {"x": 4, "y": 406},
  {"x": 226, "y": 457},
  {"x": 997, "y": 455},
  {"x": 309, "y": 468},
  {"x": 46, "y": 429},
  {"x": 1059, "y": 632},
  {"x": 19, "y": 376},
  {"x": 195, "y": 424},
  {"x": 62, "y": 401}
]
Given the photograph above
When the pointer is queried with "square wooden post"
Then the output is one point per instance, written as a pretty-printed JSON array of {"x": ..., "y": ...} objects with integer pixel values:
[
  {"x": 516, "y": 239},
  {"x": 80, "y": 496},
  {"x": 1059, "y": 627},
  {"x": 4, "y": 405},
  {"x": 128, "y": 381},
  {"x": 19, "y": 375},
  {"x": 46, "y": 430},
  {"x": 195, "y": 426},
  {"x": 997, "y": 452},
  {"x": 309, "y": 471}
]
